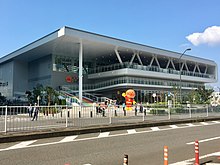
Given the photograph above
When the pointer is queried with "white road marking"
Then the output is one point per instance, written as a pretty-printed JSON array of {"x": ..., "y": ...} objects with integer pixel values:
[
  {"x": 193, "y": 159},
  {"x": 190, "y": 124},
  {"x": 115, "y": 135},
  {"x": 205, "y": 140},
  {"x": 68, "y": 139},
  {"x": 174, "y": 126},
  {"x": 131, "y": 131},
  {"x": 204, "y": 123},
  {"x": 103, "y": 134},
  {"x": 155, "y": 128},
  {"x": 21, "y": 145},
  {"x": 217, "y": 122}
]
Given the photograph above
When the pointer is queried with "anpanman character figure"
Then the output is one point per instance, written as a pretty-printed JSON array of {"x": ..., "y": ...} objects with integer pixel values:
[{"x": 129, "y": 96}]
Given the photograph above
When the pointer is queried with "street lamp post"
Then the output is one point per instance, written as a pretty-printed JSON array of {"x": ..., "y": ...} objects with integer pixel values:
[{"x": 180, "y": 72}]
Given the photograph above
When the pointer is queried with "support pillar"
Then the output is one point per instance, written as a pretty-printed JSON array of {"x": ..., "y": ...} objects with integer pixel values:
[
  {"x": 80, "y": 72},
  {"x": 118, "y": 55}
]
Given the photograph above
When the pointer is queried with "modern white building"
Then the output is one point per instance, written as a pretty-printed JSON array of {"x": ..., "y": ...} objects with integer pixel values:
[{"x": 102, "y": 66}]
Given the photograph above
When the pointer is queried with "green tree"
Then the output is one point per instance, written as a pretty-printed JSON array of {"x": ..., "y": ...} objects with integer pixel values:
[
  {"x": 203, "y": 95},
  {"x": 51, "y": 95},
  {"x": 3, "y": 99},
  {"x": 47, "y": 95},
  {"x": 200, "y": 95},
  {"x": 37, "y": 91},
  {"x": 29, "y": 96},
  {"x": 191, "y": 96}
]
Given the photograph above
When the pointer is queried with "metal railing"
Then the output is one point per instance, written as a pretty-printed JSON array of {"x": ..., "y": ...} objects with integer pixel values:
[
  {"x": 147, "y": 68},
  {"x": 19, "y": 118}
]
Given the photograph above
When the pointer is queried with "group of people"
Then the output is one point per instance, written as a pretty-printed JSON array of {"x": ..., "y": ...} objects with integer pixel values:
[
  {"x": 100, "y": 109},
  {"x": 33, "y": 110}
]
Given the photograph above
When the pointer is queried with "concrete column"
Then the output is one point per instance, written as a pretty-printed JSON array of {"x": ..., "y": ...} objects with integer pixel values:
[{"x": 80, "y": 71}]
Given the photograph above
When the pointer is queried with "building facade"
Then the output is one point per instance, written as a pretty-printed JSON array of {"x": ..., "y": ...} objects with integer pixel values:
[{"x": 102, "y": 66}]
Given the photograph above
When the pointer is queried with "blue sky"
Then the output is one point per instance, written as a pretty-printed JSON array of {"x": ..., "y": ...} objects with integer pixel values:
[{"x": 168, "y": 24}]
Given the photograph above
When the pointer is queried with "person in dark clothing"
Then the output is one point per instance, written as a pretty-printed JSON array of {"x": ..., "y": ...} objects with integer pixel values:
[
  {"x": 141, "y": 108},
  {"x": 35, "y": 110},
  {"x": 30, "y": 111}
]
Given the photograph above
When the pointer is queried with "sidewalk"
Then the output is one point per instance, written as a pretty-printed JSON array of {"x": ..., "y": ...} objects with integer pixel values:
[{"x": 21, "y": 136}]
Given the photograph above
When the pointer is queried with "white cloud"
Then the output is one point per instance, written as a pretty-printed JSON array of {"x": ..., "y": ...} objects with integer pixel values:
[{"x": 210, "y": 36}]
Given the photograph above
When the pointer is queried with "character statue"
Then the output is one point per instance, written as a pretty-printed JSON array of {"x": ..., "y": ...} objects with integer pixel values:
[{"x": 129, "y": 98}]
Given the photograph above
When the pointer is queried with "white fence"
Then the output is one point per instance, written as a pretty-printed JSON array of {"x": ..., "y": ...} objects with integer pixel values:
[{"x": 19, "y": 119}]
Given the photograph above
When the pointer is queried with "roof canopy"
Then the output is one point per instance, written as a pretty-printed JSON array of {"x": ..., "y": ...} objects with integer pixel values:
[{"x": 65, "y": 41}]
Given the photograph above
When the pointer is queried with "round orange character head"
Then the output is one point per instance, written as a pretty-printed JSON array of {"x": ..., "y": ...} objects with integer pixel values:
[{"x": 130, "y": 93}]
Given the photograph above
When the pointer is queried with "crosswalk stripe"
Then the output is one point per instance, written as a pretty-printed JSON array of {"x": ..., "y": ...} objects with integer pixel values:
[
  {"x": 104, "y": 134},
  {"x": 174, "y": 126},
  {"x": 68, "y": 138},
  {"x": 155, "y": 128},
  {"x": 22, "y": 144},
  {"x": 131, "y": 131}
]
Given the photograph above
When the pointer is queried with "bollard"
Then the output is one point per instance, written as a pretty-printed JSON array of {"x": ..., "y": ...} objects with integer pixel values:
[
  {"x": 68, "y": 114},
  {"x": 196, "y": 152},
  {"x": 165, "y": 155},
  {"x": 91, "y": 114},
  {"x": 103, "y": 113},
  {"x": 125, "y": 159},
  {"x": 79, "y": 114},
  {"x": 115, "y": 112},
  {"x": 124, "y": 112}
]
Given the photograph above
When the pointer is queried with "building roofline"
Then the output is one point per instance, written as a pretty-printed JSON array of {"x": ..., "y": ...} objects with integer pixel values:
[
  {"x": 139, "y": 44},
  {"x": 13, "y": 54},
  {"x": 7, "y": 57}
]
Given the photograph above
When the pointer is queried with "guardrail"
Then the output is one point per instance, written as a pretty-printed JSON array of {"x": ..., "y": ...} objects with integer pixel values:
[{"x": 20, "y": 119}]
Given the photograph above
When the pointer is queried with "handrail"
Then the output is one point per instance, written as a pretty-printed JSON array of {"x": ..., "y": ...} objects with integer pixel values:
[
  {"x": 146, "y": 68},
  {"x": 117, "y": 66}
]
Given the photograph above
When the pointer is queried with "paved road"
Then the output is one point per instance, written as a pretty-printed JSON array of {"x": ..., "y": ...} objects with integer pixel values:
[{"x": 143, "y": 145}]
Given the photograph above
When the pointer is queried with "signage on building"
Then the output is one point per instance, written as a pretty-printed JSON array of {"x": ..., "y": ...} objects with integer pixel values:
[{"x": 71, "y": 79}]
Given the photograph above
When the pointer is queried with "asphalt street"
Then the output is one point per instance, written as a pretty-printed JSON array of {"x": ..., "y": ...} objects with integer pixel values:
[{"x": 144, "y": 146}]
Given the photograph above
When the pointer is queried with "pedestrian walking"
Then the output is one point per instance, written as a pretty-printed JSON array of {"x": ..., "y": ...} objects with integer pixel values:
[
  {"x": 135, "y": 109},
  {"x": 30, "y": 110},
  {"x": 35, "y": 111},
  {"x": 141, "y": 108}
]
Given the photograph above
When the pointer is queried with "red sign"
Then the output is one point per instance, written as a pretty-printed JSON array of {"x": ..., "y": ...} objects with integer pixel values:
[{"x": 69, "y": 79}]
